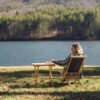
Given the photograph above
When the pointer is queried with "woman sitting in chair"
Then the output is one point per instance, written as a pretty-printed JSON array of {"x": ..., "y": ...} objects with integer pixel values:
[{"x": 76, "y": 50}]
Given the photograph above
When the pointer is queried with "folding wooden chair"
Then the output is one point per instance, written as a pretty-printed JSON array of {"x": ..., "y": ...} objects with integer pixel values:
[{"x": 74, "y": 68}]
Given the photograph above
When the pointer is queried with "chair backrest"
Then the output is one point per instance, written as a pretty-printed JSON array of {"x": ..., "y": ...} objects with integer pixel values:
[{"x": 75, "y": 63}]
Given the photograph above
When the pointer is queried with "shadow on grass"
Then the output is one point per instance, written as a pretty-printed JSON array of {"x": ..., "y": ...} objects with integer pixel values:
[
  {"x": 23, "y": 74},
  {"x": 29, "y": 73},
  {"x": 95, "y": 95},
  {"x": 38, "y": 85},
  {"x": 13, "y": 76},
  {"x": 17, "y": 74},
  {"x": 10, "y": 77},
  {"x": 95, "y": 71}
]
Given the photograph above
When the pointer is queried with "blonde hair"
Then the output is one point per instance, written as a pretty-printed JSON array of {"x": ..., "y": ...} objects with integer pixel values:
[{"x": 78, "y": 47}]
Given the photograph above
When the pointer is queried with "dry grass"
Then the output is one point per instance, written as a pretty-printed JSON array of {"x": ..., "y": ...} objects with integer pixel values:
[{"x": 17, "y": 83}]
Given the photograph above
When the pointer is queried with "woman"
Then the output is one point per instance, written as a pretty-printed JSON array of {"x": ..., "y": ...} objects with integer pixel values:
[{"x": 76, "y": 50}]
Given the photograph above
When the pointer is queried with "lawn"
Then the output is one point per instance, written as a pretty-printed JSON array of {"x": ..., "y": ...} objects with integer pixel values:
[{"x": 17, "y": 83}]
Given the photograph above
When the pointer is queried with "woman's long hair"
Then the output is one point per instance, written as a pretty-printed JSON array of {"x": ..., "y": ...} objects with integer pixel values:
[{"x": 78, "y": 47}]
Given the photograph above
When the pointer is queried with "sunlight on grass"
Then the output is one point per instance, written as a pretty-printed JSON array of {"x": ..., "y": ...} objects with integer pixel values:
[{"x": 18, "y": 83}]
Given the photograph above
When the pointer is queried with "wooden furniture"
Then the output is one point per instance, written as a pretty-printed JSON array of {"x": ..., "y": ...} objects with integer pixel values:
[
  {"x": 38, "y": 65},
  {"x": 74, "y": 68}
]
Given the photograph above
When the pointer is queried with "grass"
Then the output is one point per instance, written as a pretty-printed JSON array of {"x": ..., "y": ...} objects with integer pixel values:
[{"x": 17, "y": 83}]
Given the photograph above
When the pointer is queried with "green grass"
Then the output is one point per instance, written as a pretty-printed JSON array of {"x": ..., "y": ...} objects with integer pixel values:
[{"x": 17, "y": 83}]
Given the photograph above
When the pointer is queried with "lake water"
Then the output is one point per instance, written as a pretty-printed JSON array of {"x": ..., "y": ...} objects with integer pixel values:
[{"x": 27, "y": 52}]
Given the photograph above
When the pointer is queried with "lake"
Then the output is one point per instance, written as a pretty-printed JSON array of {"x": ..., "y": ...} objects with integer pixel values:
[{"x": 27, "y": 52}]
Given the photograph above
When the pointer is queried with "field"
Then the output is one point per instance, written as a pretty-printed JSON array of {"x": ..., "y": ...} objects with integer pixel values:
[{"x": 17, "y": 83}]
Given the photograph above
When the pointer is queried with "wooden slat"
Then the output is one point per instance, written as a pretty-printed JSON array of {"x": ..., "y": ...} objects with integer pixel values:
[{"x": 43, "y": 64}]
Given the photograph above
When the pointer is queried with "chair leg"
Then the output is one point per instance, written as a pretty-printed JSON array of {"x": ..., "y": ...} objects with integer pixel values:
[{"x": 64, "y": 79}]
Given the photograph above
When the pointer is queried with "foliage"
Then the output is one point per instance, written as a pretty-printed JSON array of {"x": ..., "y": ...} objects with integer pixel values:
[{"x": 68, "y": 22}]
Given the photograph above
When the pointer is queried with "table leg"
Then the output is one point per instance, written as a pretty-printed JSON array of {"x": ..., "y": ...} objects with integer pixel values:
[
  {"x": 35, "y": 72},
  {"x": 50, "y": 74},
  {"x": 36, "y": 69}
]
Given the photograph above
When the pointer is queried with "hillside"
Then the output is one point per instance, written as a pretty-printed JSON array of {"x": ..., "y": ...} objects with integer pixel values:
[
  {"x": 50, "y": 19},
  {"x": 22, "y": 6}
]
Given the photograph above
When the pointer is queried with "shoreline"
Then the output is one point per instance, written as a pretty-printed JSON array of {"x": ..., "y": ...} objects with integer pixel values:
[
  {"x": 48, "y": 40},
  {"x": 30, "y": 66}
]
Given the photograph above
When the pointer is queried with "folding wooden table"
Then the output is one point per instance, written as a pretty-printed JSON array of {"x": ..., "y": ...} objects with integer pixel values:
[{"x": 36, "y": 69}]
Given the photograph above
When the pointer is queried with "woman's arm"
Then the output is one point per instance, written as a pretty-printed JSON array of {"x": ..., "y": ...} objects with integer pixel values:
[
  {"x": 62, "y": 62},
  {"x": 59, "y": 62}
]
